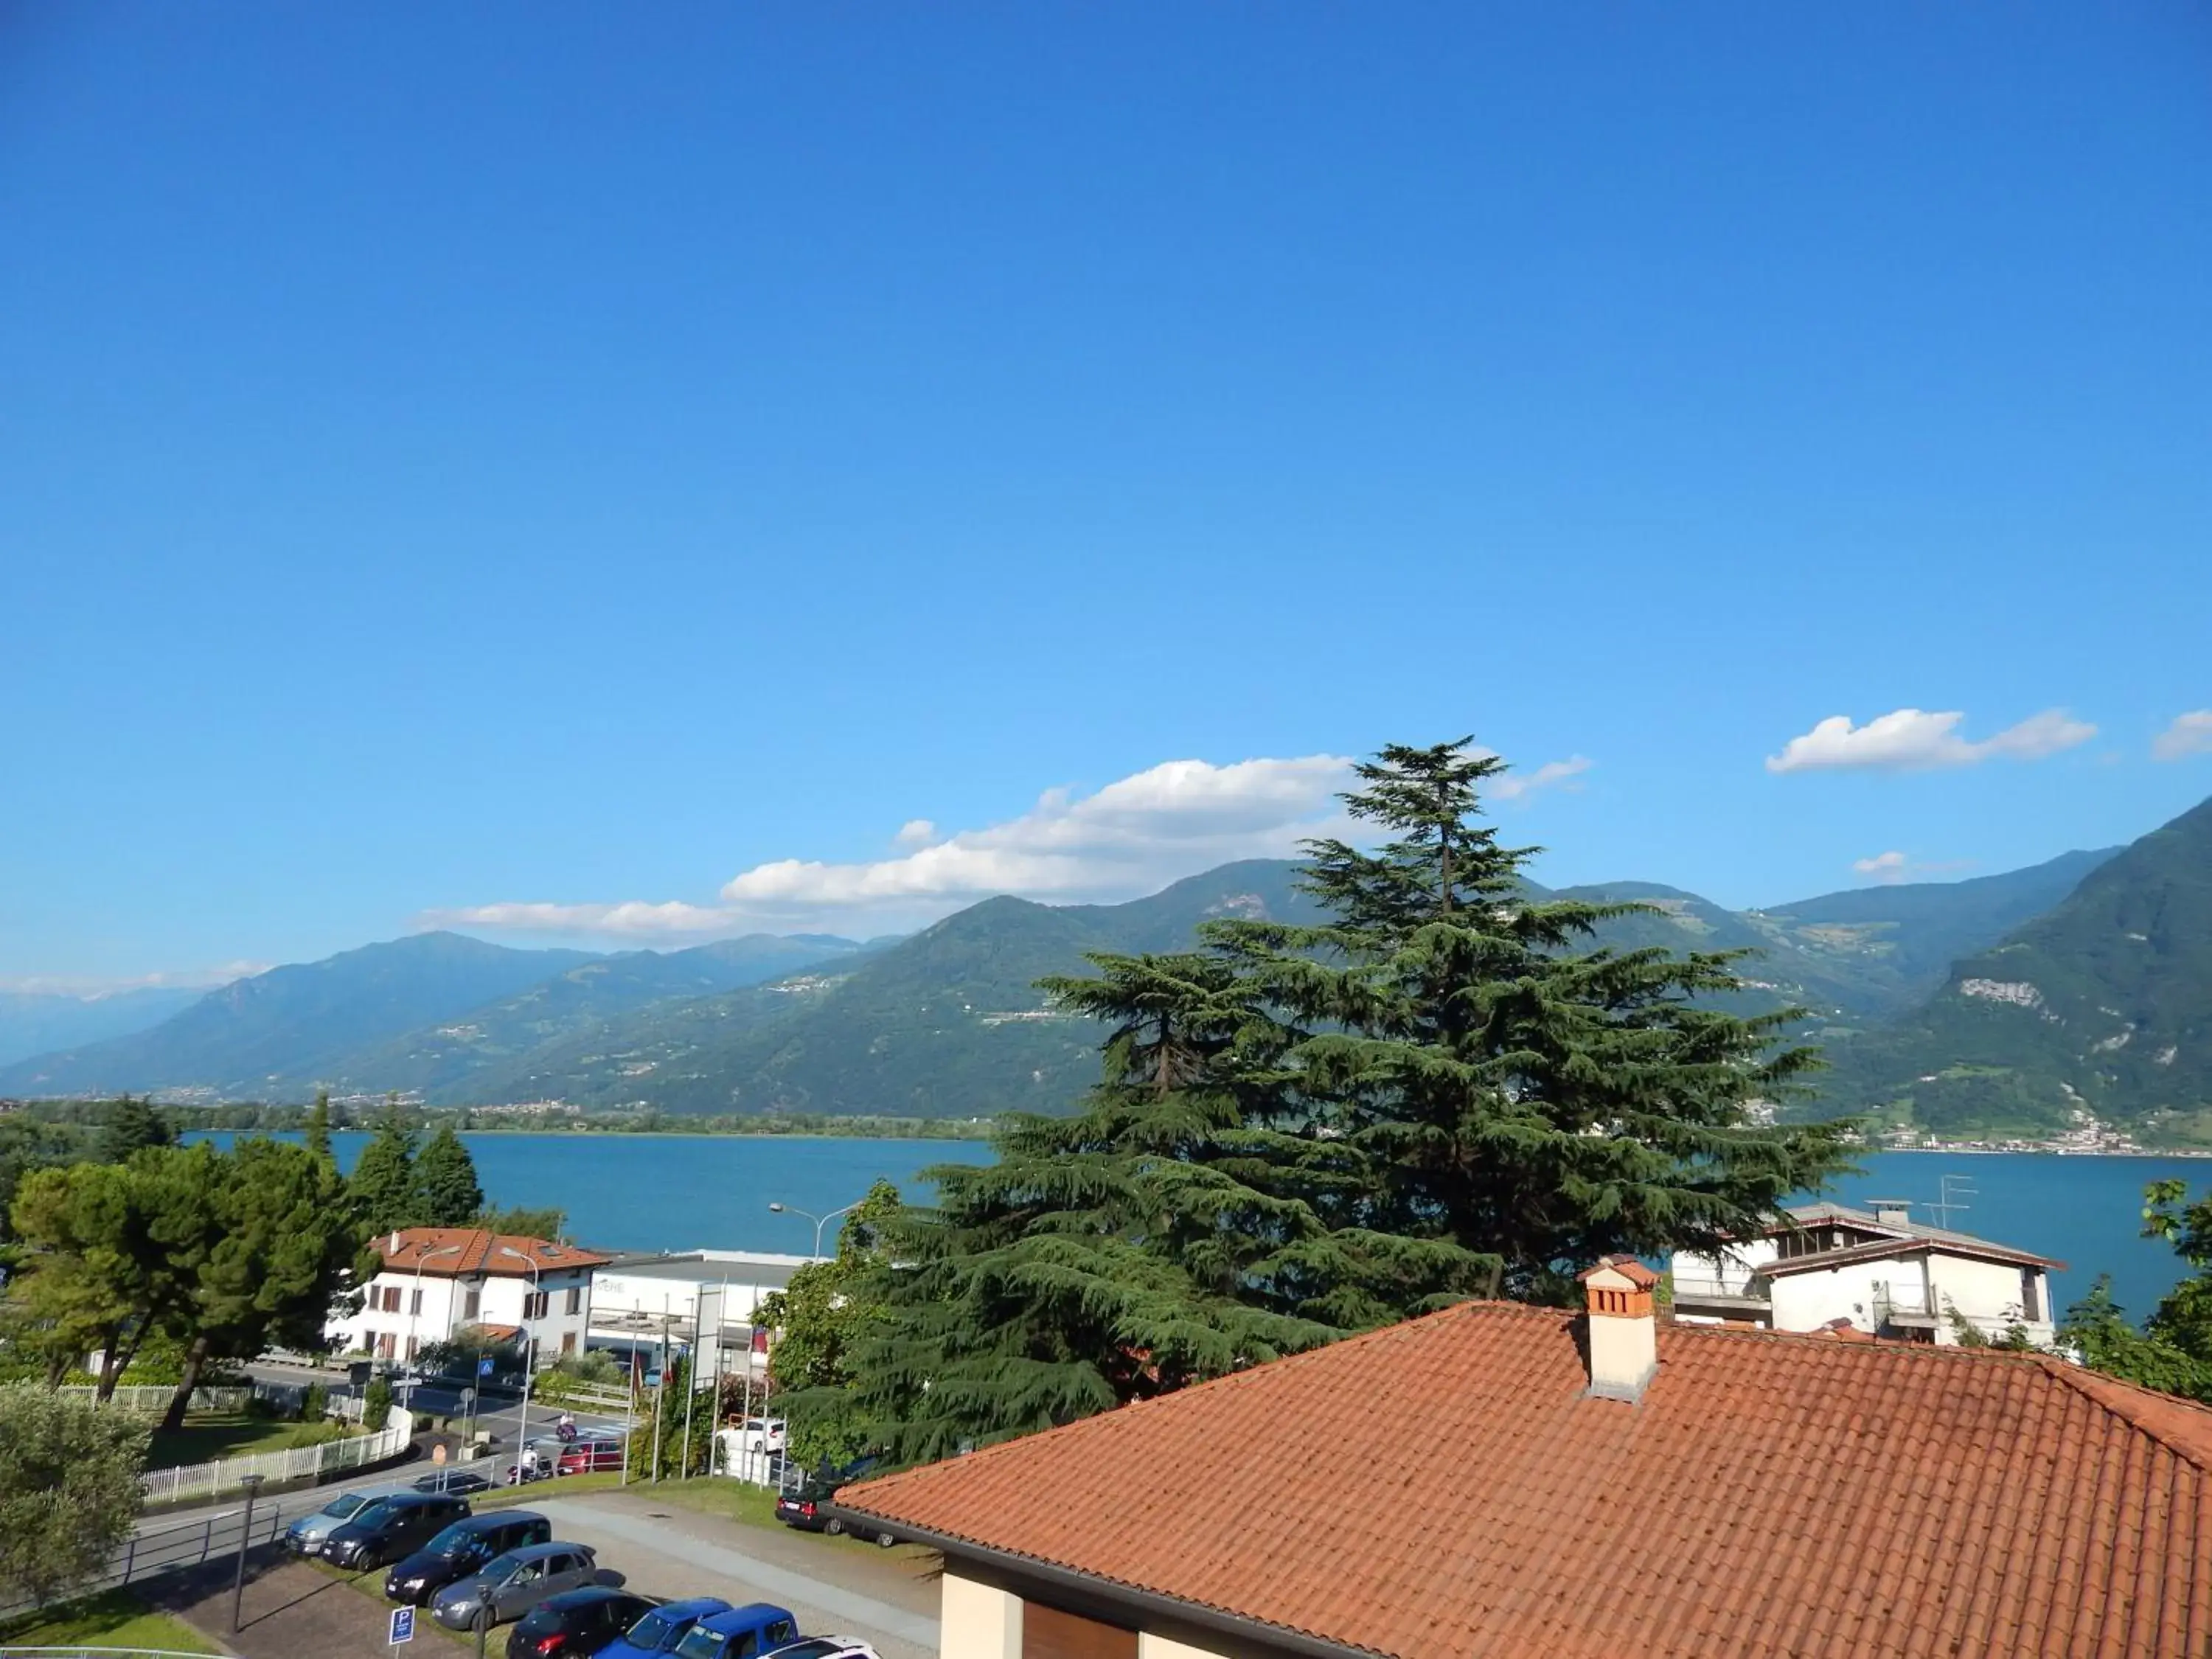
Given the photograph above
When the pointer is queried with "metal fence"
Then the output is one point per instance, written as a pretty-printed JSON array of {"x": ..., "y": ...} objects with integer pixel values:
[
  {"x": 207, "y": 1480},
  {"x": 156, "y": 1550}
]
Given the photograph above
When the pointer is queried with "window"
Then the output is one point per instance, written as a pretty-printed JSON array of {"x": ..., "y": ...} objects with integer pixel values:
[
  {"x": 368, "y": 1340},
  {"x": 1049, "y": 1633},
  {"x": 576, "y": 1298},
  {"x": 414, "y": 1301},
  {"x": 392, "y": 1299},
  {"x": 2031, "y": 1300},
  {"x": 386, "y": 1343},
  {"x": 567, "y": 1342},
  {"x": 533, "y": 1307},
  {"x": 472, "y": 1305}
]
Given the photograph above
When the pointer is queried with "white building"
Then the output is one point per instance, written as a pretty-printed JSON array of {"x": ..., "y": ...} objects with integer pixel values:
[
  {"x": 1877, "y": 1270},
  {"x": 436, "y": 1282},
  {"x": 640, "y": 1304}
]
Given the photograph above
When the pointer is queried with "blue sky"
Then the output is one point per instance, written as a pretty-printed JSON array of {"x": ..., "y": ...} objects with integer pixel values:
[{"x": 459, "y": 460}]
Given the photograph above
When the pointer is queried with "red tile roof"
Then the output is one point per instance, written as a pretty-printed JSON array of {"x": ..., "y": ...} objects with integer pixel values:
[
  {"x": 451, "y": 1252},
  {"x": 1445, "y": 1488}
]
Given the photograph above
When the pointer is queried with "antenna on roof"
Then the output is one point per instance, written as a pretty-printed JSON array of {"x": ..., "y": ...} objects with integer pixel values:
[{"x": 1956, "y": 1189}]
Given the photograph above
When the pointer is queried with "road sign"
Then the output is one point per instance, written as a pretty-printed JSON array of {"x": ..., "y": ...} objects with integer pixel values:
[
  {"x": 403, "y": 1626},
  {"x": 484, "y": 1366},
  {"x": 468, "y": 1396}
]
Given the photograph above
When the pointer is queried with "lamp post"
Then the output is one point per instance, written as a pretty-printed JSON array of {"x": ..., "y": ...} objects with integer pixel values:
[
  {"x": 253, "y": 1485},
  {"x": 414, "y": 1315},
  {"x": 819, "y": 1221},
  {"x": 529, "y": 1346}
]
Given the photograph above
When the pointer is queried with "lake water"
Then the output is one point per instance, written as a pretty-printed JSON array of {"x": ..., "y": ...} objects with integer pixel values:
[{"x": 685, "y": 1192}]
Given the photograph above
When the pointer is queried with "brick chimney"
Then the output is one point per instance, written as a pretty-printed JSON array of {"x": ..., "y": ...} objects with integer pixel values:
[{"x": 1624, "y": 1339}]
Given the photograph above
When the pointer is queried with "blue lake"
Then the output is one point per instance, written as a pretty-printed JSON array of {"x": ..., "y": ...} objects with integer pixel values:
[{"x": 682, "y": 1192}]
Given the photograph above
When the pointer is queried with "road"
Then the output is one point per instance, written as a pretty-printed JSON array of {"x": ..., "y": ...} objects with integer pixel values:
[{"x": 500, "y": 1413}]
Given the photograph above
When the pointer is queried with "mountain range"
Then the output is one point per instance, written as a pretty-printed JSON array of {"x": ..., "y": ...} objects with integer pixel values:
[{"x": 948, "y": 1022}]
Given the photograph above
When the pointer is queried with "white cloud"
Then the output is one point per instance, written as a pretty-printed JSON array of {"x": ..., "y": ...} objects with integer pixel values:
[
  {"x": 91, "y": 987},
  {"x": 1550, "y": 773},
  {"x": 2190, "y": 734},
  {"x": 1895, "y": 866},
  {"x": 1131, "y": 838},
  {"x": 1908, "y": 739}
]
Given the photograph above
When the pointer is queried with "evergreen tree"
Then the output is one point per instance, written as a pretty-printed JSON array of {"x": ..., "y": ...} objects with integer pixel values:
[
  {"x": 319, "y": 1128},
  {"x": 386, "y": 1193},
  {"x": 127, "y": 1125},
  {"x": 1502, "y": 1084},
  {"x": 446, "y": 1179}
]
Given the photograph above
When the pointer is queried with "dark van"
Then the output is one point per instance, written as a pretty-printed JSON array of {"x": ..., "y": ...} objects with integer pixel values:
[
  {"x": 460, "y": 1550},
  {"x": 396, "y": 1525}
]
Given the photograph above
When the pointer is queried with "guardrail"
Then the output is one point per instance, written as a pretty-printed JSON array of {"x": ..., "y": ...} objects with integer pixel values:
[
  {"x": 1735, "y": 1289},
  {"x": 152, "y": 1552},
  {"x": 203, "y": 1480},
  {"x": 99, "y": 1653}
]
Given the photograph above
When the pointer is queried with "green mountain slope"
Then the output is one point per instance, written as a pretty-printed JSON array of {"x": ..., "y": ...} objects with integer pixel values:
[
  {"x": 1894, "y": 946},
  {"x": 442, "y": 1060},
  {"x": 2102, "y": 1005},
  {"x": 948, "y": 1022},
  {"x": 280, "y": 1032}
]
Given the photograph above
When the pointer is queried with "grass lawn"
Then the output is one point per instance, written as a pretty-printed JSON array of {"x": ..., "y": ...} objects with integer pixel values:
[
  {"x": 211, "y": 1435},
  {"x": 117, "y": 1619},
  {"x": 731, "y": 1499}
]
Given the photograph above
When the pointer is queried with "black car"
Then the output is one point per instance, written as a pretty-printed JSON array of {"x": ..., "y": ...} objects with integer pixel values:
[
  {"x": 809, "y": 1507},
  {"x": 460, "y": 1550},
  {"x": 575, "y": 1622},
  {"x": 396, "y": 1525}
]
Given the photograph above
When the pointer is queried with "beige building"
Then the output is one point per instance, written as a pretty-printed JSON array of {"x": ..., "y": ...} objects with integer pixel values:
[{"x": 1500, "y": 1482}]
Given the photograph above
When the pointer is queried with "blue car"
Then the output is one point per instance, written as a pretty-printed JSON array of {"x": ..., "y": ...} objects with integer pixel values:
[
  {"x": 741, "y": 1634},
  {"x": 659, "y": 1630}
]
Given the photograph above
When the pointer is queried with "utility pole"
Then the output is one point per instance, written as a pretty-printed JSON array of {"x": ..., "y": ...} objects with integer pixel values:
[
  {"x": 660, "y": 1393},
  {"x": 253, "y": 1485}
]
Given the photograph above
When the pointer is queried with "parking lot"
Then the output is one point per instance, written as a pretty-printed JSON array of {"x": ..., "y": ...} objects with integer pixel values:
[{"x": 661, "y": 1549}]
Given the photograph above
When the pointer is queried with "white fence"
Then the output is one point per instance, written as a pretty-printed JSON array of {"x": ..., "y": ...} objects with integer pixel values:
[
  {"x": 157, "y": 1396},
  {"x": 207, "y": 1480}
]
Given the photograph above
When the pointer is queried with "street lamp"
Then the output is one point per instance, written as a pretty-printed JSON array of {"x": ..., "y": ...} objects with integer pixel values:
[
  {"x": 819, "y": 1221},
  {"x": 529, "y": 1345},
  {"x": 253, "y": 1485},
  {"x": 414, "y": 1315}
]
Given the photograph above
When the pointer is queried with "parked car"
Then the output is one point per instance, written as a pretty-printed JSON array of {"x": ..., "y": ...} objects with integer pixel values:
[
  {"x": 575, "y": 1622},
  {"x": 511, "y": 1584},
  {"x": 465, "y": 1547},
  {"x": 396, "y": 1525},
  {"x": 595, "y": 1450},
  {"x": 307, "y": 1535},
  {"x": 454, "y": 1480},
  {"x": 660, "y": 1630},
  {"x": 810, "y": 1507},
  {"x": 743, "y": 1632},
  {"x": 826, "y": 1647}
]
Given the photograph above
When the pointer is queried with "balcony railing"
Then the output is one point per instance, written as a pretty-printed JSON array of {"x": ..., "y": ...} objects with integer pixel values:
[{"x": 1688, "y": 1289}]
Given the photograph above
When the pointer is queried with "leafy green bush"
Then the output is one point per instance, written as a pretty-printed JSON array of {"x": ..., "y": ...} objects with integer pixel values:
[{"x": 376, "y": 1405}]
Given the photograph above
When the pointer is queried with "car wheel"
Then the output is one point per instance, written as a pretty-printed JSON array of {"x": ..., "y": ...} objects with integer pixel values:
[
  {"x": 833, "y": 1526},
  {"x": 885, "y": 1541}
]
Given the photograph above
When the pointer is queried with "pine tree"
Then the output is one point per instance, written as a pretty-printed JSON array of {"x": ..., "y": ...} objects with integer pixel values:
[
  {"x": 446, "y": 1181},
  {"x": 1166, "y": 1234},
  {"x": 386, "y": 1193},
  {"x": 127, "y": 1125},
  {"x": 318, "y": 1127},
  {"x": 1504, "y": 1085}
]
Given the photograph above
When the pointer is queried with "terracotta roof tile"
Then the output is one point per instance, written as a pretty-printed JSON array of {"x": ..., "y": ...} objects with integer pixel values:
[
  {"x": 1445, "y": 1488},
  {"x": 451, "y": 1252}
]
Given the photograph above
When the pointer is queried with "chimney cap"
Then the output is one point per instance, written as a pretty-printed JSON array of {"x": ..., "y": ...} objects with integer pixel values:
[{"x": 1627, "y": 1266}]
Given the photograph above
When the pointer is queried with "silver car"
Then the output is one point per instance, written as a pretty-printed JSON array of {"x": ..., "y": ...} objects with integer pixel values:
[
  {"x": 306, "y": 1535},
  {"x": 513, "y": 1583}
]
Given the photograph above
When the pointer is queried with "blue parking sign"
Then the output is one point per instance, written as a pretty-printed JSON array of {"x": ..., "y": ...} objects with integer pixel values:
[
  {"x": 403, "y": 1626},
  {"x": 484, "y": 1366}
]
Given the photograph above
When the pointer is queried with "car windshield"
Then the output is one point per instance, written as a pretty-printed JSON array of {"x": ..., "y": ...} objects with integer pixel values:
[
  {"x": 701, "y": 1644},
  {"x": 345, "y": 1506},
  {"x": 456, "y": 1541},
  {"x": 501, "y": 1567},
  {"x": 813, "y": 1648},
  {"x": 657, "y": 1632},
  {"x": 375, "y": 1513}
]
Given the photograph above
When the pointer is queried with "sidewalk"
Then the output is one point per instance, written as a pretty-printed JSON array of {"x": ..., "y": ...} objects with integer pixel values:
[{"x": 833, "y": 1585}]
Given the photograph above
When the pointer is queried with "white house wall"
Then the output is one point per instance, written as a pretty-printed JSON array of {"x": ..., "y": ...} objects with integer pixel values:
[{"x": 445, "y": 1310}]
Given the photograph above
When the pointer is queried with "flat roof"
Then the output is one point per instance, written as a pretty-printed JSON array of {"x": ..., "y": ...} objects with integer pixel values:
[{"x": 697, "y": 1267}]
